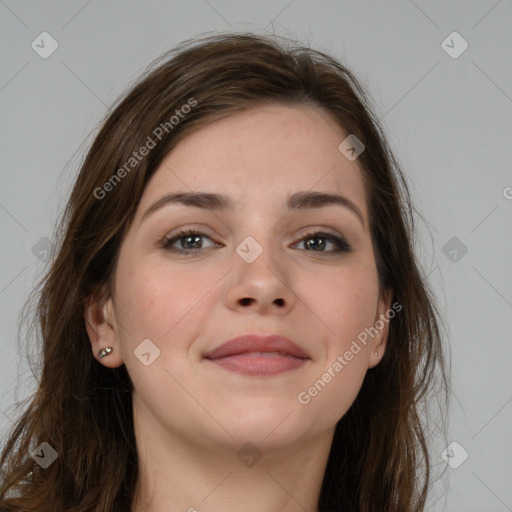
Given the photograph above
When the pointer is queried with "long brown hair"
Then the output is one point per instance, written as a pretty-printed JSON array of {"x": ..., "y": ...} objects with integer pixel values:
[{"x": 379, "y": 460}]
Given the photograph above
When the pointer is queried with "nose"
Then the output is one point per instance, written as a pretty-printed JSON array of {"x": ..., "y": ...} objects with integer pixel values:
[{"x": 261, "y": 286}]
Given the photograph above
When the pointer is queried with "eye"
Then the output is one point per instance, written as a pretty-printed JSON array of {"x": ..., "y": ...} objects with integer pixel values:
[
  {"x": 189, "y": 240},
  {"x": 317, "y": 241}
]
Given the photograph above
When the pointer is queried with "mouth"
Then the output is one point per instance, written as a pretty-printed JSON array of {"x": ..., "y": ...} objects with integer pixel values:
[{"x": 257, "y": 355}]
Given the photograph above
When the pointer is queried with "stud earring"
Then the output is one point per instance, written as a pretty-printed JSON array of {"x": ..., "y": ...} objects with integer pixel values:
[
  {"x": 376, "y": 353},
  {"x": 104, "y": 352}
]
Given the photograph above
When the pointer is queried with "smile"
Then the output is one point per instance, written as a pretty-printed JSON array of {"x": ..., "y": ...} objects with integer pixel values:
[{"x": 256, "y": 355}]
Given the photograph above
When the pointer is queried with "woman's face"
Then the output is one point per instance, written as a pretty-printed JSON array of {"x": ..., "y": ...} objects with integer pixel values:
[{"x": 253, "y": 266}]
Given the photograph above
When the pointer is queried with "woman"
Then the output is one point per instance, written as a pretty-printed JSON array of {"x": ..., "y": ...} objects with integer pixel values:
[{"x": 235, "y": 318}]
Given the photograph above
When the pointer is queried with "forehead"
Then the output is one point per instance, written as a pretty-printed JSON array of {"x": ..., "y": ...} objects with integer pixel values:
[{"x": 260, "y": 155}]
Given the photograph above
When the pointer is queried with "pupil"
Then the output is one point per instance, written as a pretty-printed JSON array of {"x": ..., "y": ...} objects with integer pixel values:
[
  {"x": 195, "y": 238},
  {"x": 320, "y": 244}
]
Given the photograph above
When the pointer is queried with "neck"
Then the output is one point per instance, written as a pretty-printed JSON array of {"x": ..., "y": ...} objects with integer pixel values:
[{"x": 179, "y": 474}]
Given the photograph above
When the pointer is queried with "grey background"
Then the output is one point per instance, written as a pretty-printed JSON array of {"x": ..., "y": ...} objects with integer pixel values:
[{"x": 448, "y": 120}]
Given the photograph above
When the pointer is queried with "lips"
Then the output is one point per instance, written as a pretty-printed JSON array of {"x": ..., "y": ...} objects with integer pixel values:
[{"x": 258, "y": 355}]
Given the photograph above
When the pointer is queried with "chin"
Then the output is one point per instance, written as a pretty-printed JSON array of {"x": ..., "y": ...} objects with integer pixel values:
[{"x": 266, "y": 428}]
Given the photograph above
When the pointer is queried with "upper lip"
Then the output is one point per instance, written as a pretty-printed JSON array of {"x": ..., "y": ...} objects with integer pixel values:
[{"x": 255, "y": 343}]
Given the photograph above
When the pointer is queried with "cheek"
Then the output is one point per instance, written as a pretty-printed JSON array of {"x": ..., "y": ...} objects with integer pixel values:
[
  {"x": 333, "y": 392},
  {"x": 155, "y": 300},
  {"x": 168, "y": 304},
  {"x": 145, "y": 305},
  {"x": 347, "y": 301}
]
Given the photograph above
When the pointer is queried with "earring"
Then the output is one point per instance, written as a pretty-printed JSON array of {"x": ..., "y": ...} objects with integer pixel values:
[
  {"x": 376, "y": 353},
  {"x": 104, "y": 352}
]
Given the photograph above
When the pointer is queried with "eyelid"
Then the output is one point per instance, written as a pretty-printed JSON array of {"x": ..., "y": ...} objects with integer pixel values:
[{"x": 314, "y": 230}]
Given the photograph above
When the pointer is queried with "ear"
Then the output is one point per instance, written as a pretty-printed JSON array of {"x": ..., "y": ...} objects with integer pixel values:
[
  {"x": 99, "y": 319},
  {"x": 381, "y": 324}
]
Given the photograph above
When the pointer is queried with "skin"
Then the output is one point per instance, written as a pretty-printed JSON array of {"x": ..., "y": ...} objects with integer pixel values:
[{"x": 191, "y": 416}]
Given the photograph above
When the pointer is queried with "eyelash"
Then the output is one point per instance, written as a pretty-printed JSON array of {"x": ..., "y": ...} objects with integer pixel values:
[{"x": 340, "y": 242}]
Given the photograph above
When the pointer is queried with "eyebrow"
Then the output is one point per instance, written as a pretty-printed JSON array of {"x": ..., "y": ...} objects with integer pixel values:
[{"x": 298, "y": 201}]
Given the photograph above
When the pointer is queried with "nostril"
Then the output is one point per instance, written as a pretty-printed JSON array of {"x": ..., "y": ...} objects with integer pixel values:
[{"x": 246, "y": 301}]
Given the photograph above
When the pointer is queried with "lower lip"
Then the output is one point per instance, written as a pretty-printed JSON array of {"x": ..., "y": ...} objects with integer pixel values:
[{"x": 259, "y": 365}]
